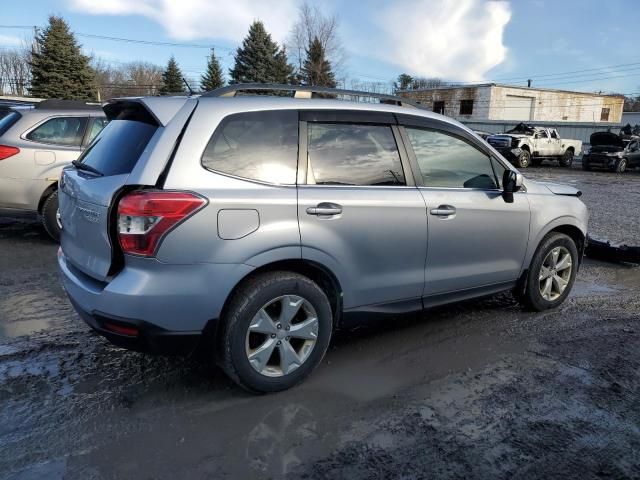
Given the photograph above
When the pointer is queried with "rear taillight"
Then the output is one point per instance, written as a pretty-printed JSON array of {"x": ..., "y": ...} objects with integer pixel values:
[
  {"x": 7, "y": 151},
  {"x": 144, "y": 217}
]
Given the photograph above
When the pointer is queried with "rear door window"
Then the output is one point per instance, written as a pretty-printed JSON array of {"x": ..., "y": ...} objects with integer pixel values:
[
  {"x": 259, "y": 146},
  {"x": 66, "y": 131},
  {"x": 353, "y": 154},
  {"x": 118, "y": 146},
  {"x": 97, "y": 124}
]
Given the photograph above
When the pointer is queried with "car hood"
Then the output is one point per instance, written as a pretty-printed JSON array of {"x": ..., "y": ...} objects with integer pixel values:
[
  {"x": 555, "y": 188},
  {"x": 598, "y": 139}
]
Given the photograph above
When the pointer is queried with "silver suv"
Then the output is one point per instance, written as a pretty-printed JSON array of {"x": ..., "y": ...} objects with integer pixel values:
[
  {"x": 35, "y": 144},
  {"x": 254, "y": 226}
]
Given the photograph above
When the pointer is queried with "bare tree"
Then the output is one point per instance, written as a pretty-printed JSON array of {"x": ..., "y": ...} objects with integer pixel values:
[
  {"x": 373, "y": 87},
  {"x": 15, "y": 71},
  {"x": 313, "y": 23},
  {"x": 431, "y": 82},
  {"x": 127, "y": 80}
]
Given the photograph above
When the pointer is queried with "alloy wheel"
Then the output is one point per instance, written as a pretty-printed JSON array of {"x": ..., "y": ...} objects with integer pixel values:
[
  {"x": 555, "y": 273},
  {"x": 281, "y": 336}
]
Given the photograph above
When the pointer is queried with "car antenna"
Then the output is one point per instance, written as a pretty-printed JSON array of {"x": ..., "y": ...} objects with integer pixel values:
[{"x": 188, "y": 86}]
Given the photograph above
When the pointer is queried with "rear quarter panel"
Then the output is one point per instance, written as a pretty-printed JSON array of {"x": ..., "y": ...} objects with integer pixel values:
[{"x": 198, "y": 239}]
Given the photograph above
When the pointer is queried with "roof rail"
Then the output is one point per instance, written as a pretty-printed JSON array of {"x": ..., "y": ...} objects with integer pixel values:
[
  {"x": 57, "y": 104},
  {"x": 302, "y": 91}
]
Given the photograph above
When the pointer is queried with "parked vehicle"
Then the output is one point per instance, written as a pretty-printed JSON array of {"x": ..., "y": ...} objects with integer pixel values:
[
  {"x": 612, "y": 152},
  {"x": 35, "y": 144},
  {"x": 254, "y": 226},
  {"x": 525, "y": 145}
]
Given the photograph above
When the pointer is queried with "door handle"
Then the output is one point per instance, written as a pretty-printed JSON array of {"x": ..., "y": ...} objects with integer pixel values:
[
  {"x": 443, "y": 211},
  {"x": 325, "y": 208}
]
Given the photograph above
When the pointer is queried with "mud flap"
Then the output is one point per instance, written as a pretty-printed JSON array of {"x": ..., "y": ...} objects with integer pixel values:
[{"x": 601, "y": 250}]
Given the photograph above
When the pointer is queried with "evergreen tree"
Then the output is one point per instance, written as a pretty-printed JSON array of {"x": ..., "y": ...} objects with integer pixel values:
[
  {"x": 172, "y": 80},
  {"x": 316, "y": 69},
  {"x": 212, "y": 78},
  {"x": 260, "y": 60},
  {"x": 58, "y": 67},
  {"x": 283, "y": 70},
  {"x": 404, "y": 81}
]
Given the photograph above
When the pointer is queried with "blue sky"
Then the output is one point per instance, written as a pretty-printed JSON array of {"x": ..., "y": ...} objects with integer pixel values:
[{"x": 460, "y": 40}]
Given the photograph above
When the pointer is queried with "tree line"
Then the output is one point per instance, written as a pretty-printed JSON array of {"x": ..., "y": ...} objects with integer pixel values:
[{"x": 55, "y": 66}]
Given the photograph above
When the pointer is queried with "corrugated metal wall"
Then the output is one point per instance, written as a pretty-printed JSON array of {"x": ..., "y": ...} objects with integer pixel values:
[{"x": 576, "y": 131}]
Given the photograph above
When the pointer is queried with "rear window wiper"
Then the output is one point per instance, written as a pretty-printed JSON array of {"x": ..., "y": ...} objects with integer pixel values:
[{"x": 83, "y": 166}]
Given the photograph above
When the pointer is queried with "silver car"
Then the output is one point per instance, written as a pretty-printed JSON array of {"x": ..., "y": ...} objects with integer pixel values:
[
  {"x": 35, "y": 144},
  {"x": 254, "y": 226}
]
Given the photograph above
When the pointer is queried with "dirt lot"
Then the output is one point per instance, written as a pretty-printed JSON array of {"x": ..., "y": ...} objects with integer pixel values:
[{"x": 481, "y": 390}]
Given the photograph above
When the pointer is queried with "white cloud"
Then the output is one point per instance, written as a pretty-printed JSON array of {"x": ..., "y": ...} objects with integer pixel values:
[
  {"x": 451, "y": 39},
  {"x": 193, "y": 19},
  {"x": 10, "y": 41}
]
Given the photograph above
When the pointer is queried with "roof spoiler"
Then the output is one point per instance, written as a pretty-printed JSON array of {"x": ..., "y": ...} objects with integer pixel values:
[{"x": 153, "y": 110}]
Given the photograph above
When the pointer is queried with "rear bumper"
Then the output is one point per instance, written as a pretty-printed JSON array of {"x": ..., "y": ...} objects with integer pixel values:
[
  {"x": 148, "y": 338},
  {"x": 168, "y": 305}
]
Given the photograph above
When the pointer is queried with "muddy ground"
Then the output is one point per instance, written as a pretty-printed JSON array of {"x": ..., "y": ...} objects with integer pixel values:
[{"x": 480, "y": 390}]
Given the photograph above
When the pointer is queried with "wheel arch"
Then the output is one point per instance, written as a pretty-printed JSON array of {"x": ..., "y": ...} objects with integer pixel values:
[
  {"x": 567, "y": 225},
  {"x": 317, "y": 272},
  {"x": 43, "y": 198}
]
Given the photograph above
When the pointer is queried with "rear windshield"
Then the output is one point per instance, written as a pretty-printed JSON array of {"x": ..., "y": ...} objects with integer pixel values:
[
  {"x": 117, "y": 148},
  {"x": 7, "y": 121}
]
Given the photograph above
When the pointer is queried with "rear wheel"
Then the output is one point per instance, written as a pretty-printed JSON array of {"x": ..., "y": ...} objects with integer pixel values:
[
  {"x": 552, "y": 272},
  {"x": 50, "y": 219},
  {"x": 276, "y": 330},
  {"x": 567, "y": 158},
  {"x": 620, "y": 166},
  {"x": 524, "y": 159}
]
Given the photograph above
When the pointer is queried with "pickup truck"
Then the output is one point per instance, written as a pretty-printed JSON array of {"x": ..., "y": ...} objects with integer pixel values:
[{"x": 526, "y": 145}]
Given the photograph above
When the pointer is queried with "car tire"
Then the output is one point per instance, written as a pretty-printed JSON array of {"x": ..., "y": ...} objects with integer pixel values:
[
  {"x": 567, "y": 159},
  {"x": 50, "y": 216},
  {"x": 547, "y": 285},
  {"x": 536, "y": 162},
  {"x": 254, "y": 325},
  {"x": 620, "y": 166},
  {"x": 524, "y": 159}
]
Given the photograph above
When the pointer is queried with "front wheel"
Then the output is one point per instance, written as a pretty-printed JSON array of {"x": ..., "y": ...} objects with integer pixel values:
[
  {"x": 620, "y": 166},
  {"x": 50, "y": 220},
  {"x": 276, "y": 330},
  {"x": 524, "y": 159},
  {"x": 567, "y": 159},
  {"x": 552, "y": 272}
]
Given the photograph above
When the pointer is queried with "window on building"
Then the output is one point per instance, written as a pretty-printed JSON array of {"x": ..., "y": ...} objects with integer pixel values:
[
  {"x": 256, "y": 145},
  {"x": 438, "y": 107},
  {"x": 466, "y": 107},
  {"x": 349, "y": 154},
  {"x": 604, "y": 115},
  {"x": 450, "y": 162}
]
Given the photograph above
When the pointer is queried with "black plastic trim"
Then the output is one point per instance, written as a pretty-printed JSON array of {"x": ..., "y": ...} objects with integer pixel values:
[
  {"x": 150, "y": 339},
  {"x": 348, "y": 116}
]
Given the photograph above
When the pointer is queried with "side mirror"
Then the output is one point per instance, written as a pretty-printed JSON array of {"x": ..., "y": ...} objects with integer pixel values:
[{"x": 511, "y": 183}]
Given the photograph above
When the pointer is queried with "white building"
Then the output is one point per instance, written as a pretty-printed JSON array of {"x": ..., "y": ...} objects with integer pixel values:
[{"x": 492, "y": 101}]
